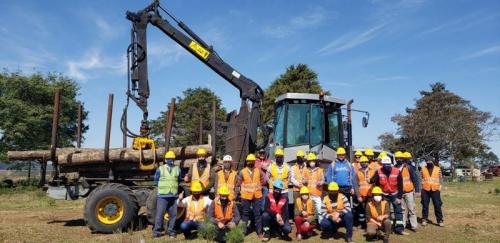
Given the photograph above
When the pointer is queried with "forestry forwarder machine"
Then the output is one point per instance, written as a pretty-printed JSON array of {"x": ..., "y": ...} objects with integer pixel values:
[{"x": 310, "y": 122}]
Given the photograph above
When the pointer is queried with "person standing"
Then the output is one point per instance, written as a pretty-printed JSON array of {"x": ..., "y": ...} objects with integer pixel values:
[
  {"x": 226, "y": 177},
  {"x": 371, "y": 158},
  {"x": 315, "y": 179},
  {"x": 431, "y": 189},
  {"x": 378, "y": 216},
  {"x": 355, "y": 163},
  {"x": 410, "y": 185},
  {"x": 263, "y": 163},
  {"x": 207, "y": 175},
  {"x": 196, "y": 206},
  {"x": 336, "y": 213},
  {"x": 276, "y": 213},
  {"x": 305, "y": 217},
  {"x": 166, "y": 179},
  {"x": 223, "y": 213},
  {"x": 342, "y": 172},
  {"x": 297, "y": 174},
  {"x": 279, "y": 170},
  {"x": 364, "y": 186}
]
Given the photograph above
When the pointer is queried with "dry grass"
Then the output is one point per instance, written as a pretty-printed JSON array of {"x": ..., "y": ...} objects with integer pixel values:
[{"x": 471, "y": 215}]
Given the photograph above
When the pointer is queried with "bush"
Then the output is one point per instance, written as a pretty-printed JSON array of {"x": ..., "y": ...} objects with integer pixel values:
[
  {"x": 207, "y": 230},
  {"x": 235, "y": 235},
  {"x": 497, "y": 190}
]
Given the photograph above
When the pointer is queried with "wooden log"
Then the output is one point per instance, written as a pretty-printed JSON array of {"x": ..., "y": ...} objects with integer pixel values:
[{"x": 42, "y": 154}]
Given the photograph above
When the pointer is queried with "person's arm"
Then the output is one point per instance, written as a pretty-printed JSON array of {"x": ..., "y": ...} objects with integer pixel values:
[
  {"x": 374, "y": 179},
  {"x": 296, "y": 210},
  {"x": 387, "y": 210},
  {"x": 211, "y": 213},
  {"x": 263, "y": 179},
  {"x": 211, "y": 181},
  {"x": 157, "y": 176},
  {"x": 354, "y": 181},
  {"x": 293, "y": 178},
  {"x": 400, "y": 186},
  {"x": 236, "y": 214},
  {"x": 284, "y": 213},
  {"x": 268, "y": 177},
  {"x": 440, "y": 176},
  {"x": 414, "y": 178},
  {"x": 347, "y": 206},
  {"x": 324, "y": 211},
  {"x": 239, "y": 179},
  {"x": 322, "y": 177},
  {"x": 329, "y": 174},
  {"x": 267, "y": 207},
  {"x": 188, "y": 176},
  {"x": 368, "y": 213}
]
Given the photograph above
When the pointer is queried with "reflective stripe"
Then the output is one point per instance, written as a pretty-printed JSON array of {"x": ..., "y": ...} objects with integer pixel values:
[
  {"x": 221, "y": 180},
  {"x": 313, "y": 178},
  {"x": 407, "y": 183},
  {"x": 250, "y": 187},
  {"x": 205, "y": 176},
  {"x": 363, "y": 179},
  {"x": 196, "y": 210},
  {"x": 299, "y": 175},
  {"x": 339, "y": 205},
  {"x": 431, "y": 182},
  {"x": 168, "y": 182},
  {"x": 276, "y": 174}
]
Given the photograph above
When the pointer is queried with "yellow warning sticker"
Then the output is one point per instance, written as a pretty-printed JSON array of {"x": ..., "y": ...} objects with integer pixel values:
[{"x": 202, "y": 52}]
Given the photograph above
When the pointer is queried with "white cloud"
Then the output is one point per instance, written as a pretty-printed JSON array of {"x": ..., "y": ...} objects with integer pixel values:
[
  {"x": 308, "y": 19},
  {"x": 93, "y": 63},
  {"x": 487, "y": 51},
  {"x": 162, "y": 53},
  {"x": 350, "y": 40},
  {"x": 461, "y": 23}
]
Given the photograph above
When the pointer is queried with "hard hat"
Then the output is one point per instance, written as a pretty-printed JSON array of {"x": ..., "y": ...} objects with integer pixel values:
[
  {"x": 196, "y": 186},
  {"x": 279, "y": 152},
  {"x": 377, "y": 190},
  {"x": 300, "y": 153},
  {"x": 369, "y": 152},
  {"x": 385, "y": 160},
  {"x": 398, "y": 154},
  {"x": 381, "y": 155},
  {"x": 407, "y": 155},
  {"x": 311, "y": 156},
  {"x": 278, "y": 184},
  {"x": 201, "y": 151},
  {"x": 223, "y": 190},
  {"x": 170, "y": 155},
  {"x": 358, "y": 153},
  {"x": 250, "y": 157},
  {"x": 227, "y": 157},
  {"x": 333, "y": 186},
  {"x": 304, "y": 190},
  {"x": 363, "y": 159},
  {"x": 340, "y": 151}
]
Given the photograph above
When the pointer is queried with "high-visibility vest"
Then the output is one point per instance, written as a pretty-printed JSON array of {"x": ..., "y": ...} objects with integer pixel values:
[
  {"x": 276, "y": 207},
  {"x": 389, "y": 184},
  {"x": 328, "y": 203},
  {"x": 407, "y": 183},
  {"x": 374, "y": 165},
  {"x": 309, "y": 206},
  {"x": 364, "y": 181},
  {"x": 313, "y": 178},
  {"x": 299, "y": 175},
  {"x": 275, "y": 174},
  {"x": 221, "y": 181},
  {"x": 169, "y": 181},
  {"x": 356, "y": 166},
  {"x": 222, "y": 216},
  {"x": 196, "y": 209},
  {"x": 373, "y": 209},
  {"x": 431, "y": 182},
  {"x": 250, "y": 187},
  {"x": 205, "y": 176}
]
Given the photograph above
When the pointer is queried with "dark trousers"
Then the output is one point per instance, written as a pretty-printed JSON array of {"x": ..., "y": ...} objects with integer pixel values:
[
  {"x": 436, "y": 201},
  {"x": 270, "y": 222},
  {"x": 329, "y": 227},
  {"x": 162, "y": 205},
  {"x": 398, "y": 213},
  {"x": 359, "y": 213},
  {"x": 255, "y": 204}
]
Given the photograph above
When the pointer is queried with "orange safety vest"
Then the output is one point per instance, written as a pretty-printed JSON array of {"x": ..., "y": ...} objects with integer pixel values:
[
  {"x": 407, "y": 183},
  {"x": 389, "y": 184},
  {"x": 364, "y": 181},
  {"x": 196, "y": 210},
  {"x": 373, "y": 209},
  {"x": 250, "y": 187},
  {"x": 275, "y": 174},
  {"x": 221, "y": 181},
  {"x": 204, "y": 178},
  {"x": 299, "y": 175},
  {"x": 431, "y": 182},
  {"x": 312, "y": 179},
  {"x": 329, "y": 206},
  {"x": 309, "y": 206},
  {"x": 374, "y": 165},
  {"x": 356, "y": 166},
  {"x": 220, "y": 215}
]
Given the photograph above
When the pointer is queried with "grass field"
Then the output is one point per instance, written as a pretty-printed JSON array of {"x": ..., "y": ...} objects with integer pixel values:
[{"x": 471, "y": 211}]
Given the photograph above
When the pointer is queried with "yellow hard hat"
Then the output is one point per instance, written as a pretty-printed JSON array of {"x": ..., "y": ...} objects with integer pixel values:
[
  {"x": 311, "y": 156},
  {"x": 377, "y": 190},
  {"x": 251, "y": 157},
  {"x": 196, "y": 186},
  {"x": 223, "y": 190},
  {"x": 381, "y": 155},
  {"x": 279, "y": 152},
  {"x": 340, "y": 151},
  {"x": 369, "y": 152},
  {"x": 363, "y": 159},
  {"x": 358, "y": 153},
  {"x": 170, "y": 155},
  {"x": 201, "y": 151},
  {"x": 304, "y": 190},
  {"x": 300, "y": 153},
  {"x": 399, "y": 154},
  {"x": 407, "y": 155},
  {"x": 333, "y": 186}
]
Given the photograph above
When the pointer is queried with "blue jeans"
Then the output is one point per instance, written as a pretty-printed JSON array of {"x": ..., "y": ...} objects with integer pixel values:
[
  {"x": 398, "y": 213},
  {"x": 265, "y": 190},
  {"x": 328, "y": 226},
  {"x": 164, "y": 204},
  {"x": 187, "y": 226}
]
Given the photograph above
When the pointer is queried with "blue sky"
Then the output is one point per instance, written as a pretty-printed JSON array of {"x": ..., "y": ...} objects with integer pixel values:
[{"x": 380, "y": 53}]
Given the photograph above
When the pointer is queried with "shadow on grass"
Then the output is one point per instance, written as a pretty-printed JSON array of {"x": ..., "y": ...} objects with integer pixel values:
[{"x": 69, "y": 223}]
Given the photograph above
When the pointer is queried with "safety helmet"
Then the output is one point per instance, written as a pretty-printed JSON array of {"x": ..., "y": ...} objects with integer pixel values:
[
  {"x": 300, "y": 153},
  {"x": 398, "y": 154},
  {"x": 311, "y": 156},
  {"x": 304, "y": 190},
  {"x": 227, "y": 157},
  {"x": 278, "y": 183},
  {"x": 333, "y": 186},
  {"x": 369, "y": 152},
  {"x": 385, "y": 160},
  {"x": 358, "y": 153},
  {"x": 407, "y": 155},
  {"x": 223, "y": 190},
  {"x": 381, "y": 155},
  {"x": 196, "y": 186},
  {"x": 377, "y": 190},
  {"x": 279, "y": 152},
  {"x": 251, "y": 157},
  {"x": 340, "y": 151},
  {"x": 201, "y": 152},
  {"x": 170, "y": 155},
  {"x": 363, "y": 159}
]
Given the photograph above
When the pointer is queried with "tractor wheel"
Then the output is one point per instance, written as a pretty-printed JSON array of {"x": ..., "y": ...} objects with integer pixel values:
[
  {"x": 110, "y": 208},
  {"x": 151, "y": 208}
]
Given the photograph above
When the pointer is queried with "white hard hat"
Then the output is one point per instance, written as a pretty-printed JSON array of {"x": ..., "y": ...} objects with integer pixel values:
[
  {"x": 386, "y": 160},
  {"x": 227, "y": 157}
]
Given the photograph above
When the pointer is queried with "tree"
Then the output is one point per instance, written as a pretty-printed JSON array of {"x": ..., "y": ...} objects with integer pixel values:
[
  {"x": 196, "y": 105},
  {"x": 297, "y": 78},
  {"x": 26, "y": 106},
  {"x": 486, "y": 158},
  {"x": 445, "y": 126},
  {"x": 389, "y": 142}
]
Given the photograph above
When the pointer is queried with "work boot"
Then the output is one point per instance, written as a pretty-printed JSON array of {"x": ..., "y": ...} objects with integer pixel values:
[
  {"x": 441, "y": 224},
  {"x": 299, "y": 237},
  {"x": 424, "y": 222},
  {"x": 349, "y": 240}
]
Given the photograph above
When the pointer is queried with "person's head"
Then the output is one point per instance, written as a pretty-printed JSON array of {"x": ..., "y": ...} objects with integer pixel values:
[
  {"x": 333, "y": 190},
  {"x": 250, "y": 160},
  {"x": 201, "y": 154},
  {"x": 386, "y": 164},
  {"x": 223, "y": 194},
  {"x": 196, "y": 189},
  {"x": 278, "y": 188},
  {"x": 363, "y": 162},
  {"x": 399, "y": 157},
  {"x": 311, "y": 160},
  {"x": 262, "y": 154},
  {"x": 341, "y": 154},
  {"x": 357, "y": 155},
  {"x": 430, "y": 161},
  {"x": 407, "y": 156},
  {"x": 377, "y": 194},
  {"x": 304, "y": 192},
  {"x": 169, "y": 158},
  {"x": 369, "y": 154},
  {"x": 300, "y": 157},
  {"x": 227, "y": 161},
  {"x": 279, "y": 155}
]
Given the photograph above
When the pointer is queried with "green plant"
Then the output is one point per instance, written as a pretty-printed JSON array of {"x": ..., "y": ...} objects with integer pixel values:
[
  {"x": 235, "y": 235},
  {"x": 497, "y": 190},
  {"x": 207, "y": 230}
]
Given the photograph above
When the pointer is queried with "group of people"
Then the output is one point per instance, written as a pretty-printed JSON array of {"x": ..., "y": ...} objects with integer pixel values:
[{"x": 358, "y": 194}]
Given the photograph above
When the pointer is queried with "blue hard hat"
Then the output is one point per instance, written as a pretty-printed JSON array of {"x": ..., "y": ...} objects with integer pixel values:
[{"x": 278, "y": 183}]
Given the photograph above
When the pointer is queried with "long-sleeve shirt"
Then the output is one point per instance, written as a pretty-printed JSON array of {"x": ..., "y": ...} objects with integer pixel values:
[
  {"x": 157, "y": 178},
  {"x": 342, "y": 173},
  {"x": 414, "y": 176},
  {"x": 375, "y": 180},
  {"x": 284, "y": 209},
  {"x": 293, "y": 176},
  {"x": 211, "y": 179},
  {"x": 280, "y": 169},
  {"x": 213, "y": 219},
  {"x": 347, "y": 207}
]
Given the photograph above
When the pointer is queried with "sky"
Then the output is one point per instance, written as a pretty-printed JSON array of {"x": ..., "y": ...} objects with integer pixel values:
[{"x": 379, "y": 53}]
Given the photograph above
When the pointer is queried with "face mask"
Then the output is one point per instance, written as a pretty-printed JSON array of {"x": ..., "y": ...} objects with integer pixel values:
[
  {"x": 224, "y": 201},
  {"x": 202, "y": 161},
  {"x": 341, "y": 158},
  {"x": 312, "y": 164},
  {"x": 170, "y": 162},
  {"x": 305, "y": 197},
  {"x": 399, "y": 162},
  {"x": 279, "y": 160},
  {"x": 333, "y": 195},
  {"x": 227, "y": 166},
  {"x": 250, "y": 164},
  {"x": 277, "y": 193},
  {"x": 377, "y": 198},
  {"x": 197, "y": 196},
  {"x": 300, "y": 160},
  {"x": 364, "y": 165},
  {"x": 430, "y": 165},
  {"x": 387, "y": 168}
]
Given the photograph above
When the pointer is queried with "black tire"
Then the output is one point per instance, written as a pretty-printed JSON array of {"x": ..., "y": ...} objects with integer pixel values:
[
  {"x": 118, "y": 192},
  {"x": 151, "y": 206}
]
